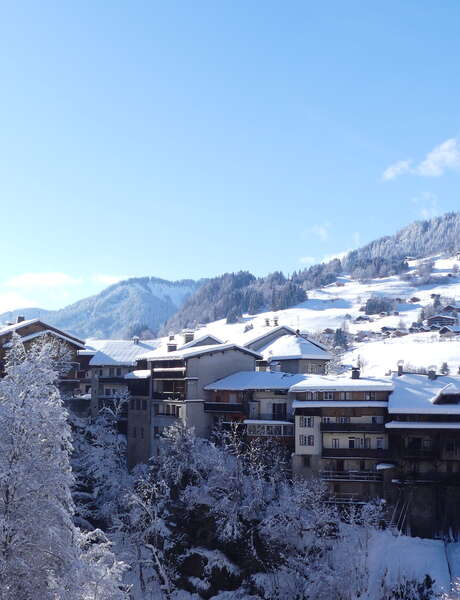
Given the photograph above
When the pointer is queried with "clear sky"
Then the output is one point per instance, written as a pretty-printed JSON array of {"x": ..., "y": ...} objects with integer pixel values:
[{"x": 186, "y": 139}]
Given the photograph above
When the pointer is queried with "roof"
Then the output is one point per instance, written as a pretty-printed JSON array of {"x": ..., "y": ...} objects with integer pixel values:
[
  {"x": 119, "y": 352},
  {"x": 266, "y": 422},
  {"x": 251, "y": 337},
  {"x": 255, "y": 380},
  {"x": 198, "y": 340},
  {"x": 10, "y": 328},
  {"x": 418, "y": 394},
  {"x": 184, "y": 353},
  {"x": 292, "y": 347},
  {"x": 27, "y": 338},
  {"x": 441, "y": 317},
  {"x": 4, "y": 330},
  {"x": 421, "y": 425},
  {"x": 339, "y": 403},
  {"x": 319, "y": 383},
  {"x": 139, "y": 374}
]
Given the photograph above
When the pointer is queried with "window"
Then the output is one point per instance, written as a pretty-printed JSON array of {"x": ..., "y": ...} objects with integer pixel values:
[
  {"x": 306, "y": 421},
  {"x": 369, "y": 396},
  {"x": 138, "y": 404},
  {"x": 101, "y": 372},
  {"x": 107, "y": 392},
  {"x": 118, "y": 371},
  {"x": 144, "y": 404},
  {"x": 303, "y": 441},
  {"x": 131, "y": 403},
  {"x": 351, "y": 442},
  {"x": 345, "y": 395},
  {"x": 312, "y": 395},
  {"x": 156, "y": 431},
  {"x": 336, "y": 443},
  {"x": 329, "y": 395},
  {"x": 362, "y": 465},
  {"x": 111, "y": 372},
  {"x": 279, "y": 411},
  {"x": 343, "y": 420},
  {"x": 327, "y": 419},
  {"x": 142, "y": 433},
  {"x": 311, "y": 440},
  {"x": 232, "y": 398},
  {"x": 380, "y": 443},
  {"x": 427, "y": 444},
  {"x": 377, "y": 419}
]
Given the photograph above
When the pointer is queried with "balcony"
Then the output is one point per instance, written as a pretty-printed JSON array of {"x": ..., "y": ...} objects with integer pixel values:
[
  {"x": 353, "y": 427},
  {"x": 223, "y": 407},
  {"x": 355, "y": 453},
  {"x": 426, "y": 453},
  {"x": 271, "y": 417},
  {"x": 168, "y": 396},
  {"x": 350, "y": 476},
  {"x": 430, "y": 478}
]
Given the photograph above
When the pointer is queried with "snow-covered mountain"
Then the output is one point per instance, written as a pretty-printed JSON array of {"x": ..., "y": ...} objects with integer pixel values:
[{"x": 133, "y": 307}]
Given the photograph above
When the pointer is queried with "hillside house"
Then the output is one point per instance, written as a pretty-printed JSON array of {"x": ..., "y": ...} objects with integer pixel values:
[{"x": 441, "y": 321}]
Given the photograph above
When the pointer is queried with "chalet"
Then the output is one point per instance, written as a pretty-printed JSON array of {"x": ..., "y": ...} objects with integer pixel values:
[
  {"x": 168, "y": 386},
  {"x": 440, "y": 321},
  {"x": 449, "y": 331},
  {"x": 424, "y": 441},
  {"x": 32, "y": 330},
  {"x": 340, "y": 433},
  {"x": 258, "y": 401},
  {"x": 451, "y": 308}
]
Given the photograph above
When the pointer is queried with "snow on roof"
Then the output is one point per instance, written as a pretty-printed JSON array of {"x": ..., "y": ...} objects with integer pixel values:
[
  {"x": 198, "y": 340},
  {"x": 441, "y": 317},
  {"x": 119, "y": 352},
  {"x": 339, "y": 403},
  {"x": 291, "y": 347},
  {"x": 255, "y": 380},
  {"x": 31, "y": 336},
  {"x": 253, "y": 336},
  {"x": 421, "y": 425},
  {"x": 384, "y": 466},
  {"x": 417, "y": 394},
  {"x": 184, "y": 353},
  {"x": 10, "y": 328},
  {"x": 139, "y": 374},
  {"x": 320, "y": 383}
]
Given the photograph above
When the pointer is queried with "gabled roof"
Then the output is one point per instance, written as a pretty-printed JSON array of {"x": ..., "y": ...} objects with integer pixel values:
[
  {"x": 291, "y": 347},
  {"x": 185, "y": 353},
  {"x": 31, "y": 336},
  {"x": 250, "y": 337},
  {"x": 197, "y": 341},
  {"x": 441, "y": 317},
  {"x": 119, "y": 352},
  {"x": 16, "y": 327},
  {"x": 255, "y": 380}
]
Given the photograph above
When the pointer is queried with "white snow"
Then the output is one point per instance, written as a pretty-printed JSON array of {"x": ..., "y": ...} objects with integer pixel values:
[
  {"x": 195, "y": 351},
  {"x": 420, "y": 425},
  {"x": 337, "y": 383},
  {"x": 338, "y": 403},
  {"x": 119, "y": 352},
  {"x": 256, "y": 380},
  {"x": 416, "y": 394},
  {"x": 292, "y": 347},
  {"x": 139, "y": 374}
]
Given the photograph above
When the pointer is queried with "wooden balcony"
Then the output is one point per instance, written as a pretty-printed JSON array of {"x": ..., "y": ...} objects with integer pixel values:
[
  {"x": 223, "y": 407},
  {"x": 168, "y": 396},
  {"x": 355, "y": 453},
  {"x": 353, "y": 427}
]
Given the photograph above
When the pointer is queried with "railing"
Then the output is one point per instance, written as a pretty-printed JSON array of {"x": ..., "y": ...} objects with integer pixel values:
[
  {"x": 168, "y": 396},
  {"x": 271, "y": 417},
  {"x": 346, "y": 499},
  {"x": 354, "y": 453},
  {"x": 429, "y": 453},
  {"x": 358, "y": 427},
  {"x": 351, "y": 475},
  {"x": 223, "y": 407},
  {"x": 429, "y": 478}
]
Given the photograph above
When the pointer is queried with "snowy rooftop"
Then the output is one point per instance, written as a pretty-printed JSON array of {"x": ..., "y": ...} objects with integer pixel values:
[
  {"x": 32, "y": 336},
  {"x": 139, "y": 374},
  {"x": 418, "y": 394},
  {"x": 258, "y": 334},
  {"x": 421, "y": 425},
  {"x": 197, "y": 341},
  {"x": 320, "y": 383},
  {"x": 256, "y": 380},
  {"x": 10, "y": 328},
  {"x": 119, "y": 352},
  {"x": 289, "y": 347},
  {"x": 184, "y": 353}
]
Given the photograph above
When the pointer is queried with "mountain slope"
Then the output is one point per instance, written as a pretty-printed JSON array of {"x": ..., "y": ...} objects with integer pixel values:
[
  {"x": 127, "y": 308},
  {"x": 233, "y": 294}
]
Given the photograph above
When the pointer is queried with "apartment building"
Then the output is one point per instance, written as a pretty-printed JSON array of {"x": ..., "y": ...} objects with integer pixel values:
[
  {"x": 340, "y": 432},
  {"x": 177, "y": 381}
]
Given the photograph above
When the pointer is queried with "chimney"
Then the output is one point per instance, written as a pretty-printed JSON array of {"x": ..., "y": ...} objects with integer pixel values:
[
  {"x": 355, "y": 373},
  {"x": 267, "y": 322},
  {"x": 172, "y": 347},
  {"x": 136, "y": 340},
  {"x": 400, "y": 367},
  {"x": 297, "y": 331},
  {"x": 432, "y": 372},
  {"x": 275, "y": 321},
  {"x": 20, "y": 318},
  {"x": 171, "y": 337}
]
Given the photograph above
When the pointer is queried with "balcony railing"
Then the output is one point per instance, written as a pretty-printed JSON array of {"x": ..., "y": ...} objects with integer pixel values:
[
  {"x": 272, "y": 417},
  {"x": 354, "y": 453},
  {"x": 427, "y": 453},
  {"x": 430, "y": 478},
  {"x": 351, "y": 475},
  {"x": 168, "y": 396},
  {"x": 223, "y": 407},
  {"x": 351, "y": 427}
]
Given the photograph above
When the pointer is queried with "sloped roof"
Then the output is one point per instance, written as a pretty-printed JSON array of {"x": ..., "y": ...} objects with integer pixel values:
[
  {"x": 10, "y": 328},
  {"x": 318, "y": 383},
  {"x": 119, "y": 352},
  {"x": 255, "y": 380},
  {"x": 418, "y": 394},
  {"x": 290, "y": 347},
  {"x": 184, "y": 353}
]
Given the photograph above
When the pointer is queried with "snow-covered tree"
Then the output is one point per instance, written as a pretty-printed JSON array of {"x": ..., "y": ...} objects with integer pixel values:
[{"x": 42, "y": 554}]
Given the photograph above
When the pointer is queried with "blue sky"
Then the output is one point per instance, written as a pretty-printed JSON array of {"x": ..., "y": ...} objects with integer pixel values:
[{"x": 186, "y": 139}]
